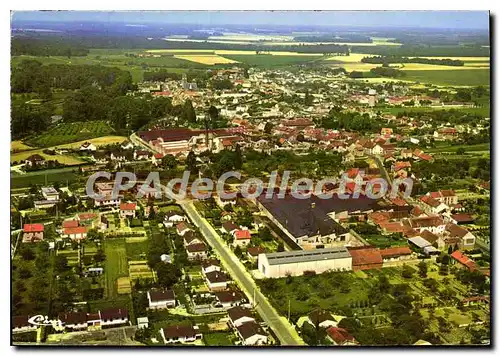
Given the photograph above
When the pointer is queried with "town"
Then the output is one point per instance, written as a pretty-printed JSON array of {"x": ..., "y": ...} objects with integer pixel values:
[{"x": 144, "y": 265}]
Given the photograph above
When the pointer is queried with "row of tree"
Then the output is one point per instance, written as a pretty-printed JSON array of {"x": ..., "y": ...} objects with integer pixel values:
[{"x": 399, "y": 59}]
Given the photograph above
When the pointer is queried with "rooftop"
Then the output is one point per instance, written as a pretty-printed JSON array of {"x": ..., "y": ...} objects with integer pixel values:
[{"x": 307, "y": 256}]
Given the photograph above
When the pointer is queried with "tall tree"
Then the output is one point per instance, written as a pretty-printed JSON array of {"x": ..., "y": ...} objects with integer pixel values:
[
  {"x": 189, "y": 113},
  {"x": 238, "y": 161}
]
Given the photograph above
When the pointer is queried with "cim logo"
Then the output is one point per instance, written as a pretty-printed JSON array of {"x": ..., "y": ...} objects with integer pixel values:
[{"x": 40, "y": 320}]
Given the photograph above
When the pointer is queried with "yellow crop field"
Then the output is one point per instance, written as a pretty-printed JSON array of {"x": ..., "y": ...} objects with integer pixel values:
[
  {"x": 359, "y": 67},
  {"x": 352, "y": 58},
  {"x": 98, "y": 141},
  {"x": 273, "y": 53},
  {"x": 64, "y": 159},
  {"x": 18, "y": 146},
  {"x": 477, "y": 64},
  {"x": 209, "y": 59},
  {"x": 179, "y": 50}
]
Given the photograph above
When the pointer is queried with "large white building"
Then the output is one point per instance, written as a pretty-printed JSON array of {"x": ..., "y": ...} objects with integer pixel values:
[{"x": 295, "y": 263}]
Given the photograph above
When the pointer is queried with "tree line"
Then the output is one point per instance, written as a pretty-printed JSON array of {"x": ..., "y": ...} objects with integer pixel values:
[
  {"x": 39, "y": 47},
  {"x": 399, "y": 59}
]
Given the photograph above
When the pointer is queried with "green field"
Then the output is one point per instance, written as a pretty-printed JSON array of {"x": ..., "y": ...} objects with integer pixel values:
[
  {"x": 116, "y": 265},
  {"x": 137, "y": 250},
  {"x": 268, "y": 60},
  {"x": 482, "y": 111},
  {"x": 463, "y": 77},
  {"x": 453, "y": 148},
  {"x": 40, "y": 179},
  {"x": 71, "y": 132},
  {"x": 219, "y": 339}
]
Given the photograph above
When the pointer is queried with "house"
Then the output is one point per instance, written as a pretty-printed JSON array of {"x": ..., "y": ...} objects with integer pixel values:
[
  {"x": 464, "y": 260},
  {"x": 364, "y": 258},
  {"x": 87, "y": 146},
  {"x": 143, "y": 322},
  {"x": 20, "y": 324},
  {"x": 241, "y": 238},
  {"x": 468, "y": 240},
  {"x": 434, "y": 224},
  {"x": 392, "y": 254},
  {"x": 340, "y": 336},
  {"x": 172, "y": 218},
  {"x": 33, "y": 232},
  {"x": 423, "y": 245},
  {"x": 434, "y": 205},
  {"x": 165, "y": 258},
  {"x": 230, "y": 298},
  {"x": 180, "y": 333},
  {"x": 190, "y": 239},
  {"x": 222, "y": 202},
  {"x": 461, "y": 219},
  {"x": 161, "y": 299},
  {"x": 386, "y": 131},
  {"x": 127, "y": 209},
  {"x": 73, "y": 320},
  {"x": 239, "y": 315},
  {"x": 75, "y": 233},
  {"x": 433, "y": 239},
  {"x": 141, "y": 155},
  {"x": 50, "y": 193},
  {"x": 35, "y": 160},
  {"x": 114, "y": 316},
  {"x": 216, "y": 280},
  {"x": 448, "y": 197},
  {"x": 228, "y": 227},
  {"x": 210, "y": 265},
  {"x": 321, "y": 318},
  {"x": 254, "y": 252},
  {"x": 182, "y": 228},
  {"x": 251, "y": 334},
  {"x": 196, "y": 251}
]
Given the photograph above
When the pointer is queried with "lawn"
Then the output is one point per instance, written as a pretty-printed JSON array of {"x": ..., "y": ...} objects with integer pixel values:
[
  {"x": 137, "y": 250},
  {"x": 453, "y": 148},
  {"x": 219, "y": 339},
  {"x": 17, "y": 146},
  {"x": 115, "y": 266}
]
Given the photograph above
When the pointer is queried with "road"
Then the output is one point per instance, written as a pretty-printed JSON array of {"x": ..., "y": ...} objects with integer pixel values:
[{"x": 282, "y": 328}]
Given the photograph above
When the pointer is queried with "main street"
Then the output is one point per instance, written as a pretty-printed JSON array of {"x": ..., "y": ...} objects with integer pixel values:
[{"x": 282, "y": 328}]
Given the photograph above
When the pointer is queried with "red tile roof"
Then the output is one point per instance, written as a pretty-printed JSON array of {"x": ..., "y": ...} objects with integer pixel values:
[
  {"x": 127, "y": 206},
  {"x": 242, "y": 235},
  {"x": 33, "y": 227},
  {"x": 340, "y": 335},
  {"x": 392, "y": 252},
  {"x": 70, "y": 223},
  {"x": 464, "y": 260},
  {"x": 365, "y": 256},
  {"x": 75, "y": 230}
]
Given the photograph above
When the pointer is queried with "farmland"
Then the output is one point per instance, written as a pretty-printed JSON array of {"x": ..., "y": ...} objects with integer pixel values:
[
  {"x": 71, "y": 132},
  {"x": 451, "y": 77},
  {"x": 40, "y": 179},
  {"x": 208, "y": 59},
  {"x": 268, "y": 60},
  {"x": 115, "y": 266}
]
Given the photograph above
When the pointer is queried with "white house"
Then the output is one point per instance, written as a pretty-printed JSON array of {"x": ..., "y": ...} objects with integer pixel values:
[
  {"x": 197, "y": 251},
  {"x": 241, "y": 238},
  {"x": 50, "y": 193},
  {"x": 210, "y": 265},
  {"x": 114, "y": 316},
  {"x": 161, "y": 299},
  {"x": 228, "y": 227},
  {"x": 239, "y": 315},
  {"x": 172, "y": 218},
  {"x": 216, "y": 280},
  {"x": 88, "y": 146},
  {"x": 127, "y": 209},
  {"x": 182, "y": 228},
  {"x": 180, "y": 334},
  {"x": 251, "y": 334}
]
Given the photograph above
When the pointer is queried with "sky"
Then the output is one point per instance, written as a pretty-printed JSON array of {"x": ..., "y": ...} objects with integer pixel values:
[{"x": 423, "y": 19}]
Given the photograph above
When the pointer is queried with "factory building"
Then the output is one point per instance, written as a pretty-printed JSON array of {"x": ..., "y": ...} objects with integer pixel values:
[{"x": 295, "y": 263}]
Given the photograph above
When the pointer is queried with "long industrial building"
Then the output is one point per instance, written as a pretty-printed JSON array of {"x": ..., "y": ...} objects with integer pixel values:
[{"x": 295, "y": 263}]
